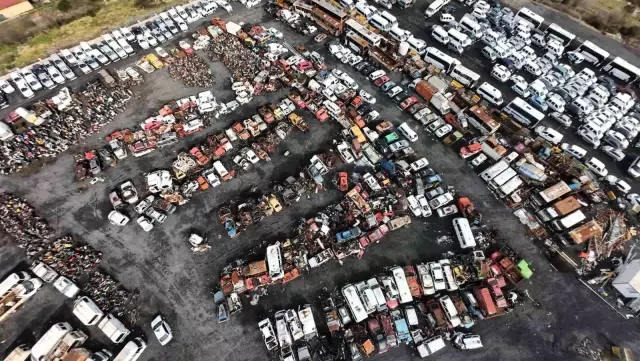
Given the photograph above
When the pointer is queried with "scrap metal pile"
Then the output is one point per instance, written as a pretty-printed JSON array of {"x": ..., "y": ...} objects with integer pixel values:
[
  {"x": 242, "y": 63},
  {"x": 59, "y": 123},
  {"x": 191, "y": 69},
  {"x": 240, "y": 215},
  {"x": 78, "y": 262}
]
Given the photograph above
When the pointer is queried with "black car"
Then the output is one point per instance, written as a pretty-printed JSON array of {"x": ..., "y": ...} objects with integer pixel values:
[
  {"x": 381, "y": 145},
  {"x": 136, "y": 30},
  {"x": 358, "y": 67},
  {"x": 4, "y": 102},
  {"x": 368, "y": 70},
  {"x": 105, "y": 155},
  {"x": 401, "y": 97},
  {"x": 364, "y": 109}
]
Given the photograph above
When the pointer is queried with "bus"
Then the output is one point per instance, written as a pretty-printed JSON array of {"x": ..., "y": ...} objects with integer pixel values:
[
  {"x": 622, "y": 70},
  {"x": 368, "y": 35},
  {"x": 465, "y": 76},
  {"x": 48, "y": 342},
  {"x": 502, "y": 178},
  {"x": 328, "y": 16},
  {"x": 463, "y": 232},
  {"x": 494, "y": 170},
  {"x": 354, "y": 303},
  {"x": 478, "y": 117},
  {"x": 404, "y": 293},
  {"x": 434, "y": 7},
  {"x": 522, "y": 112},
  {"x": 440, "y": 59},
  {"x": 554, "y": 31},
  {"x": 593, "y": 53},
  {"x": 356, "y": 43},
  {"x": 510, "y": 186},
  {"x": 530, "y": 18}
]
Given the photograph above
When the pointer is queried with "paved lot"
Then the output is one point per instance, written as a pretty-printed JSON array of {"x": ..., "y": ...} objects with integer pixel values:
[{"x": 174, "y": 282}]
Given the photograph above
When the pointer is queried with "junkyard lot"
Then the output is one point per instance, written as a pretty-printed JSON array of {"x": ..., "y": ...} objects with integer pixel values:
[{"x": 173, "y": 281}]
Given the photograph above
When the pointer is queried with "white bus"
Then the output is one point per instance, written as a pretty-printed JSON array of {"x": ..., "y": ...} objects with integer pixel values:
[
  {"x": 48, "y": 341},
  {"x": 417, "y": 45},
  {"x": 593, "y": 53},
  {"x": 463, "y": 233},
  {"x": 440, "y": 59},
  {"x": 434, "y": 7},
  {"x": 532, "y": 19},
  {"x": 622, "y": 70},
  {"x": 554, "y": 31},
  {"x": 366, "y": 34},
  {"x": 524, "y": 113},
  {"x": 380, "y": 23},
  {"x": 494, "y": 170},
  {"x": 404, "y": 293},
  {"x": 356, "y": 307},
  {"x": 510, "y": 186},
  {"x": 465, "y": 76},
  {"x": 502, "y": 178}
]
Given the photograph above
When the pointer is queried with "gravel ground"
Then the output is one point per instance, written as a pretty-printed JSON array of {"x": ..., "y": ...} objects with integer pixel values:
[{"x": 176, "y": 283}]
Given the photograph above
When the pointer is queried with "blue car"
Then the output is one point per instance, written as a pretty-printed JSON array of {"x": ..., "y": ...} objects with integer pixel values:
[
  {"x": 387, "y": 86},
  {"x": 539, "y": 103}
]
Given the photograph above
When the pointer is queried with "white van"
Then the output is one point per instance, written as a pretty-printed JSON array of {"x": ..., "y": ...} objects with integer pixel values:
[
  {"x": 408, "y": 132},
  {"x": 43, "y": 271},
  {"x": 490, "y": 93},
  {"x": 458, "y": 41},
  {"x": 222, "y": 171},
  {"x": 132, "y": 350},
  {"x": 87, "y": 311},
  {"x": 113, "y": 328},
  {"x": 463, "y": 232},
  {"x": 399, "y": 34},
  {"x": 404, "y": 292},
  {"x": 418, "y": 45},
  {"x": 380, "y": 23},
  {"x": 390, "y": 18},
  {"x": 274, "y": 262},
  {"x": 49, "y": 341},
  {"x": 538, "y": 89},
  {"x": 12, "y": 281},
  {"x": 470, "y": 26},
  {"x": 450, "y": 310},
  {"x": 440, "y": 35},
  {"x": 350, "y": 294},
  {"x": 378, "y": 293},
  {"x": 492, "y": 37}
]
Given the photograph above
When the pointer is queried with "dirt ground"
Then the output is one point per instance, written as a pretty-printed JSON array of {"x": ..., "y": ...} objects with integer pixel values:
[{"x": 176, "y": 283}]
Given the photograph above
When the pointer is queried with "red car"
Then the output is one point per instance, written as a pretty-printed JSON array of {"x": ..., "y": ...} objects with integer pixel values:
[
  {"x": 497, "y": 293},
  {"x": 408, "y": 102},
  {"x": 322, "y": 114},
  {"x": 471, "y": 149},
  {"x": 356, "y": 102},
  {"x": 380, "y": 81},
  {"x": 343, "y": 181},
  {"x": 201, "y": 159}
]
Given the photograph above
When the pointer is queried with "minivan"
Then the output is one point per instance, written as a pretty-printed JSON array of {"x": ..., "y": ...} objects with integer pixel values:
[
  {"x": 490, "y": 93},
  {"x": 87, "y": 311},
  {"x": 440, "y": 35},
  {"x": 390, "y": 18},
  {"x": 399, "y": 34},
  {"x": 408, "y": 132}
]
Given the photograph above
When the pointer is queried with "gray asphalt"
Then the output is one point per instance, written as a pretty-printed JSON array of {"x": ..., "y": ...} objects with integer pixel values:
[{"x": 173, "y": 281}]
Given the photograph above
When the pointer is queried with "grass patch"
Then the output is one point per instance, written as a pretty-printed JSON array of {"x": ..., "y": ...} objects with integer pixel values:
[{"x": 112, "y": 15}]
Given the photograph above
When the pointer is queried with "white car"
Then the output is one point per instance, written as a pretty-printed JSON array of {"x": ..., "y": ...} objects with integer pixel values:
[
  {"x": 437, "y": 274},
  {"x": 615, "y": 153},
  {"x": 597, "y": 167},
  {"x": 444, "y": 130},
  {"x": 441, "y": 200},
  {"x": 182, "y": 24},
  {"x": 377, "y": 74},
  {"x": 501, "y": 73},
  {"x": 556, "y": 102},
  {"x": 424, "y": 205},
  {"x": 419, "y": 164},
  {"x": 394, "y": 91},
  {"x": 328, "y": 93},
  {"x": 117, "y": 219},
  {"x": 142, "y": 42},
  {"x": 357, "y": 59},
  {"x": 150, "y": 39},
  {"x": 521, "y": 87},
  {"x": 573, "y": 150},
  {"x": 623, "y": 186},
  {"x": 141, "y": 207},
  {"x": 414, "y": 206},
  {"x": 128, "y": 35},
  {"x": 6, "y": 87},
  {"x": 162, "y": 330},
  {"x": 549, "y": 134},
  {"x": 21, "y": 84},
  {"x": 145, "y": 223},
  {"x": 337, "y": 73},
  {"x": 31, "y": 80},
  {"x": 367, "y": 97},
  {"x": 561, "y": 118}
]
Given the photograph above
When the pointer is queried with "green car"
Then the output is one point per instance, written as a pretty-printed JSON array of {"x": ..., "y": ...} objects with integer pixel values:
[{"x": 391, "y": 137}]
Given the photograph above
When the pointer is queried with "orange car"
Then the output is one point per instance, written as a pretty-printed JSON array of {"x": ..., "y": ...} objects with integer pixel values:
[
  {"x": 384, "y": 126},
  {"x": 204, "y": 185},
  {"x": 343, "y": 181}
]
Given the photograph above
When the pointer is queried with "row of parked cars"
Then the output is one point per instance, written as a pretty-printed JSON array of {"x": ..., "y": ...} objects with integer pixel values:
[{"x": 111, "y": 47}]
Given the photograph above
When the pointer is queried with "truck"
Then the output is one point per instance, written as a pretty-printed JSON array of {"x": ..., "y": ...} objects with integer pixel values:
[
  {"x": 426, "y": 90},
  {"x": 552, "y": 193},
  {"x": 308, "y": 323},
  {"x": 20, "y": 353},
  {"x": 113, "y": 328},
  {"x": 441, "y": 102},
  {"x": 468, "y": 209},
  {"x": 44, "y": 272},
  {"x": 560, "y": 208},
  {"x": 69, "y": 341},
  {"x": 16, "y": 297}
]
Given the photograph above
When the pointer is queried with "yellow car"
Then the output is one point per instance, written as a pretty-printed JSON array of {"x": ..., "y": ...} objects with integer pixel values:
[
  {"x": 153, "y": 59},
  {"x": 274, "y": 203}
]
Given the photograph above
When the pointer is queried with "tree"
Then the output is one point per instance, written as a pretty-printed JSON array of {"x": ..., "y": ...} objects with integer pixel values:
[{"x": 64, "y": 5}]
